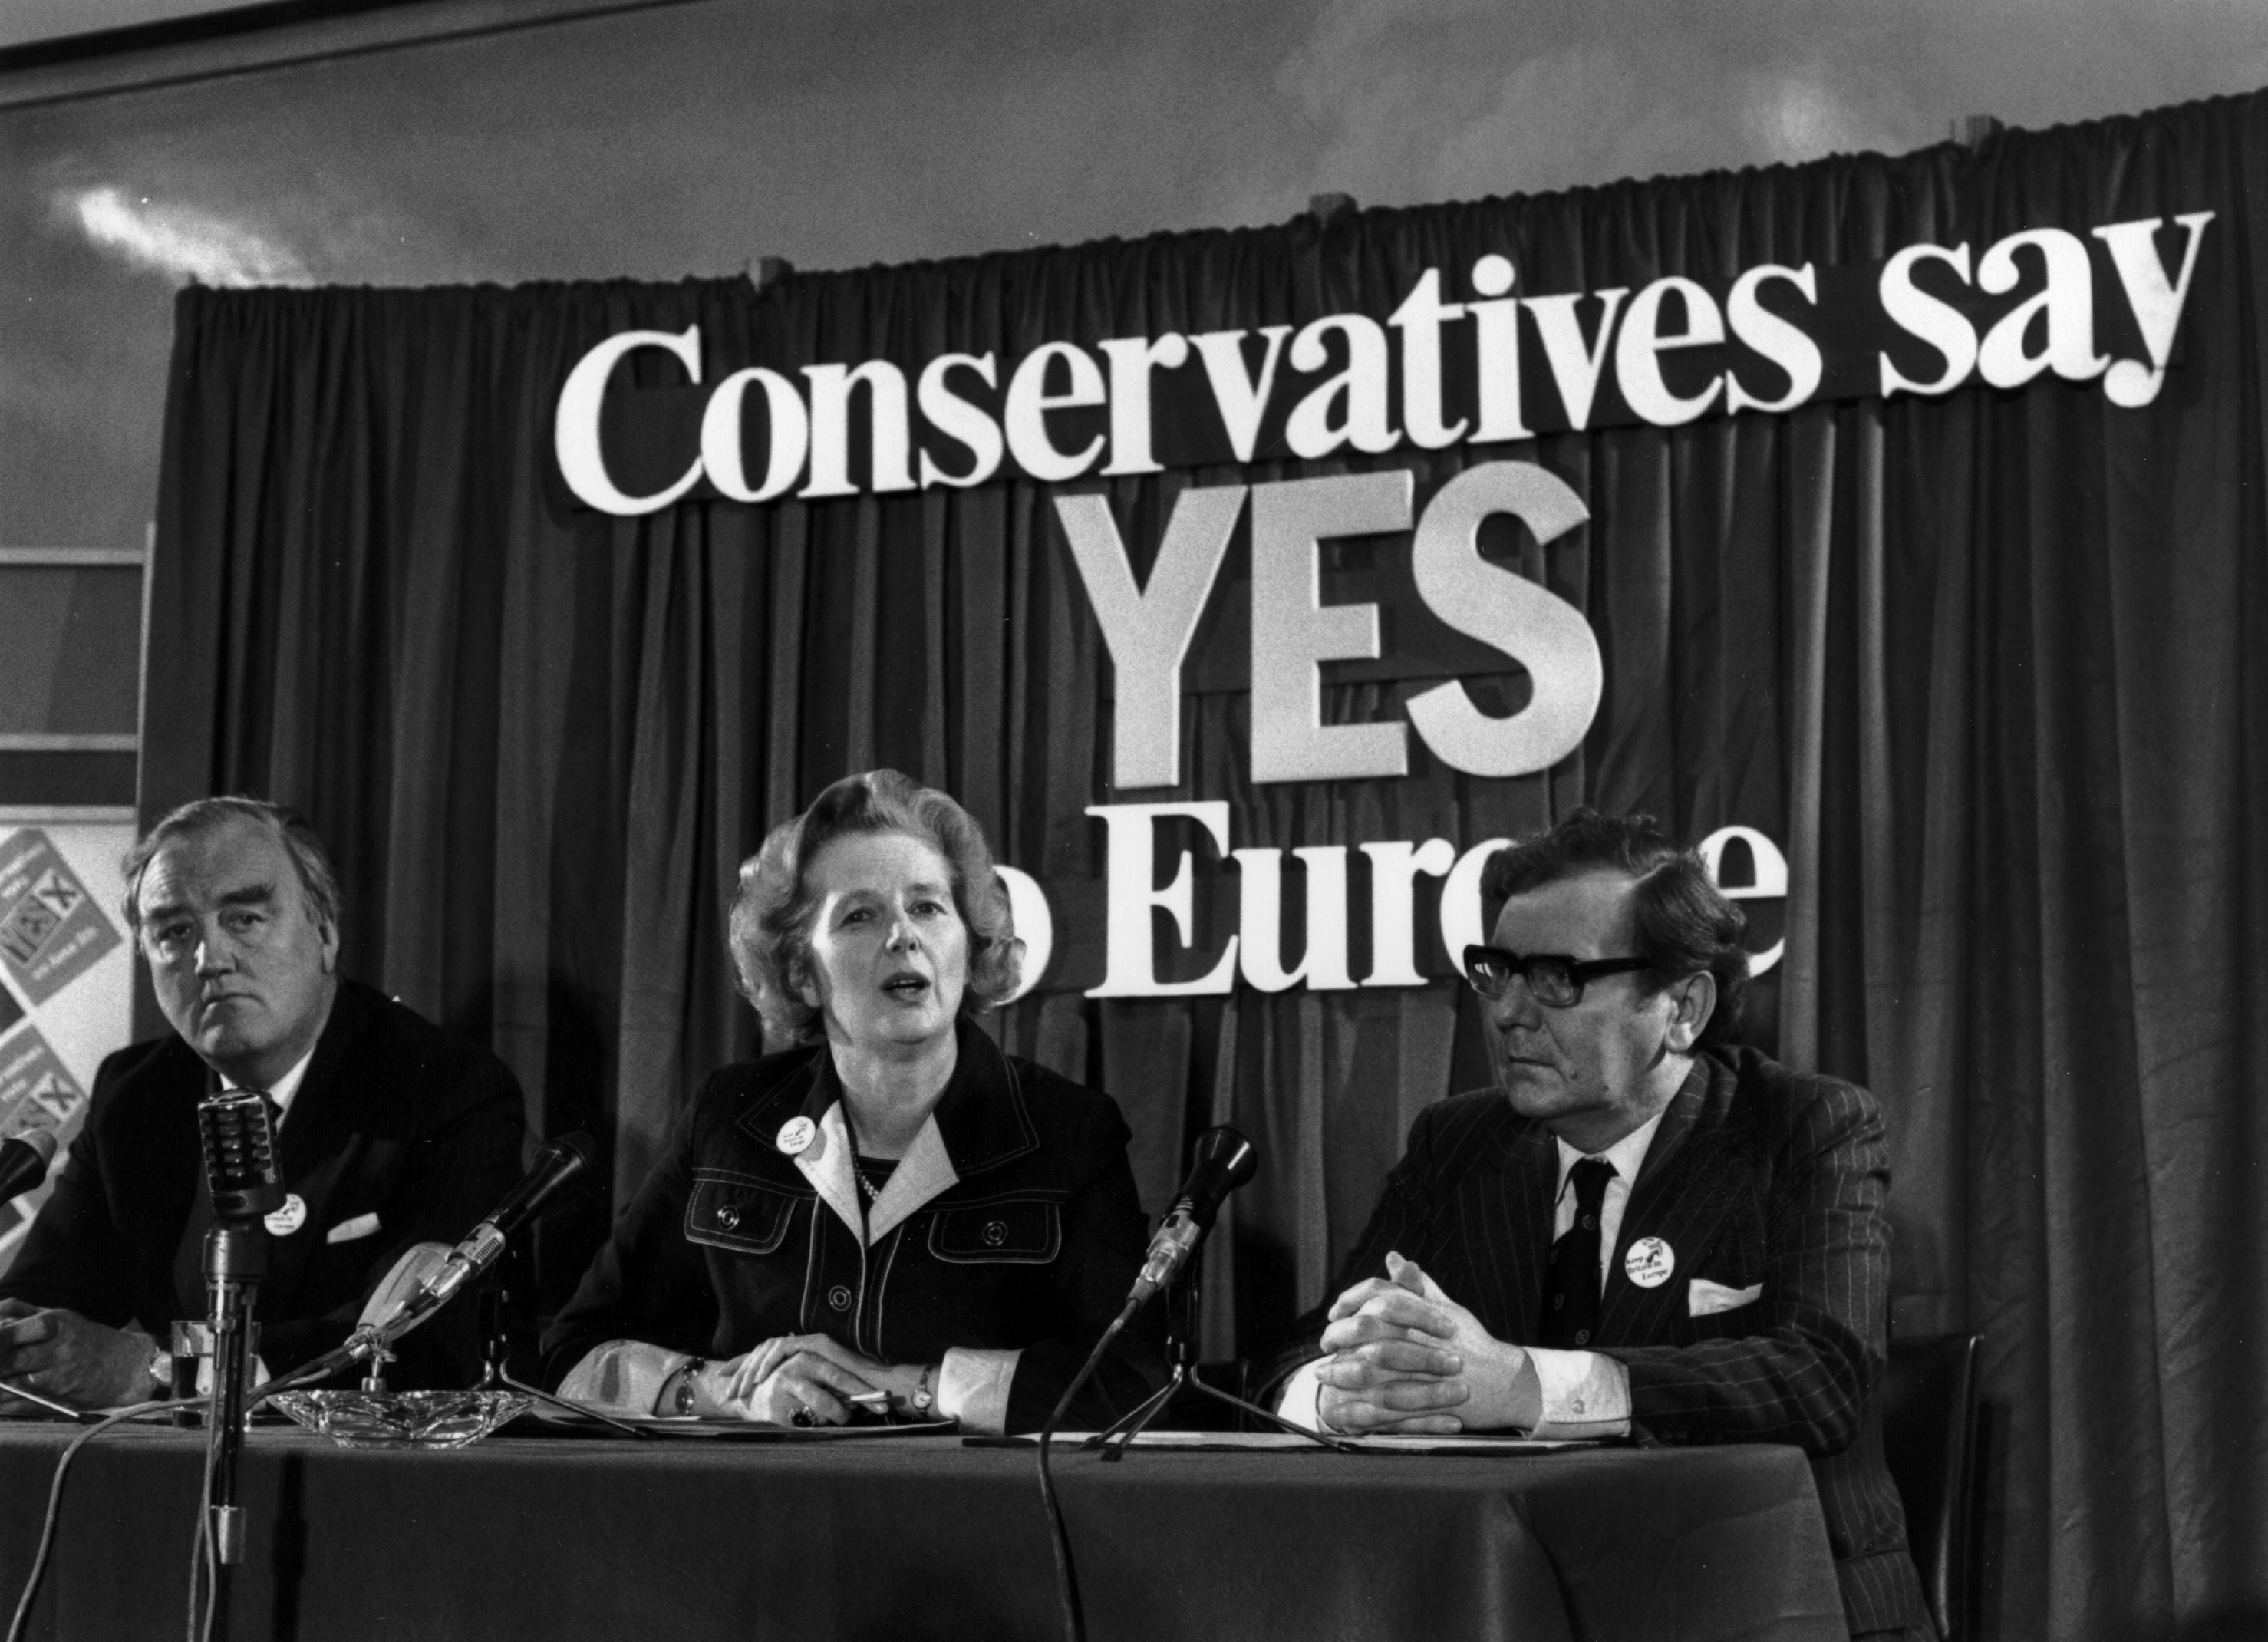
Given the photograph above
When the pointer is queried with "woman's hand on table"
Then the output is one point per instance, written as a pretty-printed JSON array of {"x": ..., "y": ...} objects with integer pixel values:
[{"x": 813, "y": 1372}]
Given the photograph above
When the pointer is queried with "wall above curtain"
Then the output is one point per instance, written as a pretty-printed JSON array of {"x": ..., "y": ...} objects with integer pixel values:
[{"x": 1973, "y": 663}]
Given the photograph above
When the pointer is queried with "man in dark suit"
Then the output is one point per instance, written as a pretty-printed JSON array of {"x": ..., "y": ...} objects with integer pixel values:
[
  {"x": 391, "y": 1134},
  {"x": 1643, "y": 1230}
]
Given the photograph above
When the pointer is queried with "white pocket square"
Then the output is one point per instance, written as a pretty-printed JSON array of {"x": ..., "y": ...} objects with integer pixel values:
[
  {"x": 349, "y": 1230},
  {"x": 1704, "y": 1299}
]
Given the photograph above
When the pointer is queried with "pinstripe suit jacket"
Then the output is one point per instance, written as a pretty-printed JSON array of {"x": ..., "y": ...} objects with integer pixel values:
[{"x": 1759, "y": 1174}]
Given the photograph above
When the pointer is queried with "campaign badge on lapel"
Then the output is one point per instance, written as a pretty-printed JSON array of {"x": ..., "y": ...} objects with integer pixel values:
[
  {"x": 795, "y": 1136},
  {"x": 1649, "y": 1262},
  {"x": 288, "y": 1218}
]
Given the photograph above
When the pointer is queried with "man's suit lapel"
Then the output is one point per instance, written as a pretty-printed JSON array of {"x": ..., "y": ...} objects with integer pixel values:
[
  {"x": 1692, "y": 1180},
  {"x": 1530, "y": 1180},
  {"x": 321, "y": 1140}
]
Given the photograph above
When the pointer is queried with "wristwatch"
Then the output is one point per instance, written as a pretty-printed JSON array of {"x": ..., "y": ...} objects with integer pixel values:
[
  {"x": 921, "y": 1398},
  {"x": 692, "y": 1367}
]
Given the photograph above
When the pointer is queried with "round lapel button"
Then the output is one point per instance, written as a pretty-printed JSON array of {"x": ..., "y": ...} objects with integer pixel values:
[
  {"x": 288, "y": 1218},
  {"x": 1649, "y": 1262},
  {"x": 795, "y": 1136}
]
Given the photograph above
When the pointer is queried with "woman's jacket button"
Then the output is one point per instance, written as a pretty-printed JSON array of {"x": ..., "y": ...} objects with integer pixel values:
[
  {"x": 839, "y": 1297},
  {"x": 995, "y": 1233},
  {"x": 727, "y": 1216}
]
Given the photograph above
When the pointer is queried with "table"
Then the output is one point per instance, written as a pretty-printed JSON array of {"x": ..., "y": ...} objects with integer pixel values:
[{"x": 922, "y": 1537}]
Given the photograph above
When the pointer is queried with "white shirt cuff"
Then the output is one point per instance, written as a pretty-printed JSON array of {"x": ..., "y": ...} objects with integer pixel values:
[
  {"x": 972, "y": 1387},
  {"x": 1302, "y": 1393},
  {"x": 624, "y": 1375},
  {"x": 1585, "y": 1395}
]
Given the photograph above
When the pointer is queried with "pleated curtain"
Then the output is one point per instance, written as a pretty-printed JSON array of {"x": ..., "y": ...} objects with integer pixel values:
[{"x": 1987, "y": 666}]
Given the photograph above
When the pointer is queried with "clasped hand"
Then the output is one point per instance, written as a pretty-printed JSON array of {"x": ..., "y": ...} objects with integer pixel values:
[
  {"x": 803, "y": 1371},
  {"x": 1407, "y": 1357}
]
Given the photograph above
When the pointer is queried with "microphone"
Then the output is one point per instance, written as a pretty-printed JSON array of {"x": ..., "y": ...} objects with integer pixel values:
[
  {"x": 238, "y": 1134},
  {"x": 236, "y": 1130},
  {"x": 558, "y": 1164},
  {"x": 1224, "y": 1159},
  {"x": 24, "y": 1160},
  {"x": 418, "y": 1263}
]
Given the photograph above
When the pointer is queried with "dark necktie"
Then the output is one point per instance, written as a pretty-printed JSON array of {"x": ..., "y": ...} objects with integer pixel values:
[{"x": 1571, "y": 1289}]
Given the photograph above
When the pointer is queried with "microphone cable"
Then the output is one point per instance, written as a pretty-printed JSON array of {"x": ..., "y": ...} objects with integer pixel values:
[
  {"x": 203, "y": 1588},
  {"x": 205, "y": 1554},
  {"x": 54, "y": 1517},
  {"x": 1222, "y": 1161},
  {"x": 1074, "y": 1616},
  {"x": 205, "y": 1562}
]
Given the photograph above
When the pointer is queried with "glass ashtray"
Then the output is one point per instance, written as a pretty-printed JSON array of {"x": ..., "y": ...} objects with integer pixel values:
[{"x": 402, "y": 1419}]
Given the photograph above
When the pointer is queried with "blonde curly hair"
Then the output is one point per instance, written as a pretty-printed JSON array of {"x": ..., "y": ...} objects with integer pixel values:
[{"x": 772, "y": 913}]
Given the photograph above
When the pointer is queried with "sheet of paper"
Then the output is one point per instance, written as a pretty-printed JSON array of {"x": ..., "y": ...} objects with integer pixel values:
[{"x": 740, "y": 1430}]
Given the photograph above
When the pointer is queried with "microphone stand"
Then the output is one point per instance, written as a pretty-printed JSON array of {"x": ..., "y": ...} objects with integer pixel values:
[
  {"x": 235, "y": 1260},
  {"x": 1182, "y": 1351},
  {"x": 496, "y": 1346}
]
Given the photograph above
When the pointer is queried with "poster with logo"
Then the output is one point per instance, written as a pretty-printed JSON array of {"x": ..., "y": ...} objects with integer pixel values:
[
  {"x": 66, "y": 976},
  {"x": 37, "y": 1091},
  {"x": 51, "y": 929}
]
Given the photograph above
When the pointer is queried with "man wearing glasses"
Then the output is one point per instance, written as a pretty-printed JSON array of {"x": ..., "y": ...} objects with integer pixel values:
[{"x": 1644, "y": 1227}]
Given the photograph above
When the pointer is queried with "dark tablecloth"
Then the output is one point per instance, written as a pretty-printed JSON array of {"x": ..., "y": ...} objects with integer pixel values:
[{"x": 920, "y": 1537}]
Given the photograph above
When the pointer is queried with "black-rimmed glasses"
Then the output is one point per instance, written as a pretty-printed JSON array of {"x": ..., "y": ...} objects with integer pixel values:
[{"x": 1557, "y": 980}]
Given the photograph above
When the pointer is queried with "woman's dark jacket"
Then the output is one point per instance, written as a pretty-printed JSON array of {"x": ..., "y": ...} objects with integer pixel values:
[{"x": 727, "y": 1245}]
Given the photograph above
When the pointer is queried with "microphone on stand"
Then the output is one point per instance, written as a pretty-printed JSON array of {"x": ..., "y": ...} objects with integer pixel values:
[
  {"x": 559, "y": 1164},
  {"x": 418, "y": 1272},
  {"x": 238, "y": 1133},
  {"x": 1223, "y": 1160},
  {"x": 236, "y": 1130},
  {"x": 415, "y": 1268},
  {"x": 24, "y": 1160}
]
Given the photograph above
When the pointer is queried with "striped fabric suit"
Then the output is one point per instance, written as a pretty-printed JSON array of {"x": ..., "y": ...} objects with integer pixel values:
[{"x": 1759, "y": 1174}]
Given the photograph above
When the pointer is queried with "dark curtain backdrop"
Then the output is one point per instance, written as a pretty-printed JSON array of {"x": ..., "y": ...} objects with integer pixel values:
[{"x": 1988, "y": 665}]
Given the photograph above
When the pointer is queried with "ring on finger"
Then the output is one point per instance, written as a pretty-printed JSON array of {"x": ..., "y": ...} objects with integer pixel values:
[{"x": 803, "y": 1417}]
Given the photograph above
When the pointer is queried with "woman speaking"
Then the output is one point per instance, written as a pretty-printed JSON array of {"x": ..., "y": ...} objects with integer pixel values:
[{"x": 894, "y": 1215}]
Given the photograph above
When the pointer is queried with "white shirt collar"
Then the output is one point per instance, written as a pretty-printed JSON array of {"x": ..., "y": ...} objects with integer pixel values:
[
  {"x": 924, "y": 1172},
  {"x": 286, "y": 1087},
  {"x": 1627, "y": 1155}
]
